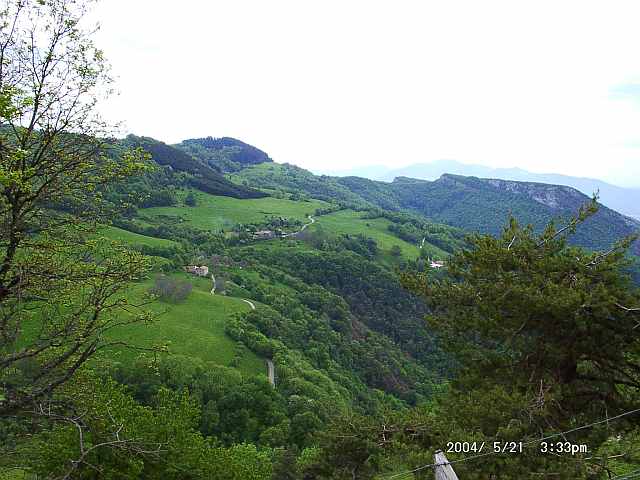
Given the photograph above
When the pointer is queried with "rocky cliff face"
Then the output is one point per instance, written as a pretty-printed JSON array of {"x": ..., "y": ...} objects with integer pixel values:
[
  {"x": 554, "y": 196},
  {"x": 485, "y": 205},
  {"x": 557, "y": 197}
]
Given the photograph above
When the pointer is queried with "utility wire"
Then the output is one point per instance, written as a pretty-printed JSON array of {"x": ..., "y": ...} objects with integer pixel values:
[
  {"x": 524, "y": 444},
  {"x": 626, "y": 476}
]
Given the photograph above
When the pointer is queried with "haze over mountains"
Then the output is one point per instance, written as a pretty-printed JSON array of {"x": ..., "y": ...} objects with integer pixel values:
[{"x": 623, "y": 200}]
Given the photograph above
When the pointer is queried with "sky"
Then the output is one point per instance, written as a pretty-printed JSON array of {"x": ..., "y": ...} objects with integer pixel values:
[{"x": 546, "y": 86}]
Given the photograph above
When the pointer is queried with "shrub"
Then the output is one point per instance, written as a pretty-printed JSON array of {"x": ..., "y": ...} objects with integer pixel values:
[{"x": 170, "y": 289}]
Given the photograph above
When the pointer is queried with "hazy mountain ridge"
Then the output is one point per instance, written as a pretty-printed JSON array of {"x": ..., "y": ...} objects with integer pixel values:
[
  {"x": 621, "y": 199},
  {"x": 485, "y": 204}
]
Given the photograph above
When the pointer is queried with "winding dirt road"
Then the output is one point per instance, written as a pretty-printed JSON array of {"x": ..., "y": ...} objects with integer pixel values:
[
  {"x": 271, "y": 372},
  {"x": 250, "y": 303},
  {"x": 311, "y": 222},
  {"x": 293, "y": 234}
]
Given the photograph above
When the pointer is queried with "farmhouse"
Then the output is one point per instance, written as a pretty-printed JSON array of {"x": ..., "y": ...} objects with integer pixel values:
[
  {"x": 202, "y": 271},
  {"x": 264, "y": 235}
]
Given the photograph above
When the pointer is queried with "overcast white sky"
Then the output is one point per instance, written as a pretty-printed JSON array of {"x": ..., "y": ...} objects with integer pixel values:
[{"x": 549, "y": 86}]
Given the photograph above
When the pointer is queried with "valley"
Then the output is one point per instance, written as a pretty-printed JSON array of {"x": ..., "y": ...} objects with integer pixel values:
[
  {"x": 191, "y": 309},
  {"x": 302, "y": 315}
]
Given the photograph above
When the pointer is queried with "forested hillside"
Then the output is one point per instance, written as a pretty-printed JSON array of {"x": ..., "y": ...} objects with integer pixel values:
[
  {"x": 201, "y": 312},
  {"x": 473, "y": 204},
  {"x": 620, "y": 199},
  {"x": 200, "y": 175},
  {"x": 224, "y": 154},
  {"x": 484, "y": 205}
]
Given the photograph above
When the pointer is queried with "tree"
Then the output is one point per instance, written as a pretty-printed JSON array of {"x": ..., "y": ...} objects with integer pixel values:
[
  {"x": 549, "y": 326},
  {"x": 171, "y": 289},
  {"x": 396, "y": 251},
  {"x": 350, "y": 448},
  {"x": 124, "y": 439},
  {"x": 190, "y": 200},
  {"x": 60, "y": 291},
  {"x": 221, "y": 285}
]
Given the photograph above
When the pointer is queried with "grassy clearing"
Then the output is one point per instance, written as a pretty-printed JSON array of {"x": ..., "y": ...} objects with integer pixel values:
[
  {"x": 193, "y": 328},
  {"x": 352, "y": 223},
  {"x": 216, "y": 213},
  {"x": 131, "y": 238}
]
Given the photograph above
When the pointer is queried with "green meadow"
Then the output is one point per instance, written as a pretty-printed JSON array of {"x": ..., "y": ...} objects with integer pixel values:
[
  {"x": 351, "y": 222},
  {"x": 216, "y": 213},
  {"x": 195, "y": 328},
  {"x": 131, "y": 238}
]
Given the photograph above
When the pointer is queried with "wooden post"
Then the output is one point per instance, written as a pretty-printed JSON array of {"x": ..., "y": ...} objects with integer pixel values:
[{"x": 442, "y": 468}]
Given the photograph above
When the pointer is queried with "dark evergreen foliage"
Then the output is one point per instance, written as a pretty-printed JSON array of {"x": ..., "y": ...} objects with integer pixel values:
[
  {"x": 202, "y": 176},
  {"x": 224, "y": 154}
]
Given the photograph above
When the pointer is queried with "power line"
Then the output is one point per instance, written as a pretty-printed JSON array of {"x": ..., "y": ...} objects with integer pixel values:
[
  {"x": 524, "y": 444},
  {"x": 626, "y": 476}
]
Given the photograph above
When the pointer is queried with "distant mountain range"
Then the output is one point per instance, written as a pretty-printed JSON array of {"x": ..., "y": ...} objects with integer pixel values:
[{"x": 623, "y": 200}]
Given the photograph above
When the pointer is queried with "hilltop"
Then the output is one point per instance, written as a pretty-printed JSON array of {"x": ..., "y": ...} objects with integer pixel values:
[
  {"x": 200, "y": 175},
  {"x": 224, "y": 154}
]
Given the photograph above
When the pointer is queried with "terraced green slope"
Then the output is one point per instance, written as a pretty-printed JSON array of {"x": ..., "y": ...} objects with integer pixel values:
[
  {"x": 214, "y": 212},
  {"x": 194, "y": 328}
]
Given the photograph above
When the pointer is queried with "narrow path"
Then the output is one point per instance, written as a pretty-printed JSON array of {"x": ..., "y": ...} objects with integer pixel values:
[
  {"x": 311, "y": 222},
  {"x": 293, "y": 234},
  {"x": 213, "y": 285},
  {"x": 271, "y": 372},
  {"x": 251, "y": 304}
]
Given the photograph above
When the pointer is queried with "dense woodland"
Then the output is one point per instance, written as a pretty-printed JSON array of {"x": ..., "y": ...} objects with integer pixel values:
[{"x": 116, "y": 363}]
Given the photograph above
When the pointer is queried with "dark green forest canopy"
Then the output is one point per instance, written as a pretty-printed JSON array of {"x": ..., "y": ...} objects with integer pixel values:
[
  {"x": 203, "y": 176},
  {"x": 224, "y": 154}
]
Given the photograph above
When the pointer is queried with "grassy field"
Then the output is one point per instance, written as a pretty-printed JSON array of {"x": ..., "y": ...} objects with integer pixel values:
[
  {"x": 352, "y": 223},
  {"x": 124, "y": 236},
  {"x": 215, "y": 213},
  {"x": 193, "y": 328}
]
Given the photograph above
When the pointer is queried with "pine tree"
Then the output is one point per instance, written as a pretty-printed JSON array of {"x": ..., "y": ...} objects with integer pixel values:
[{"x": 551, "y": 326}]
